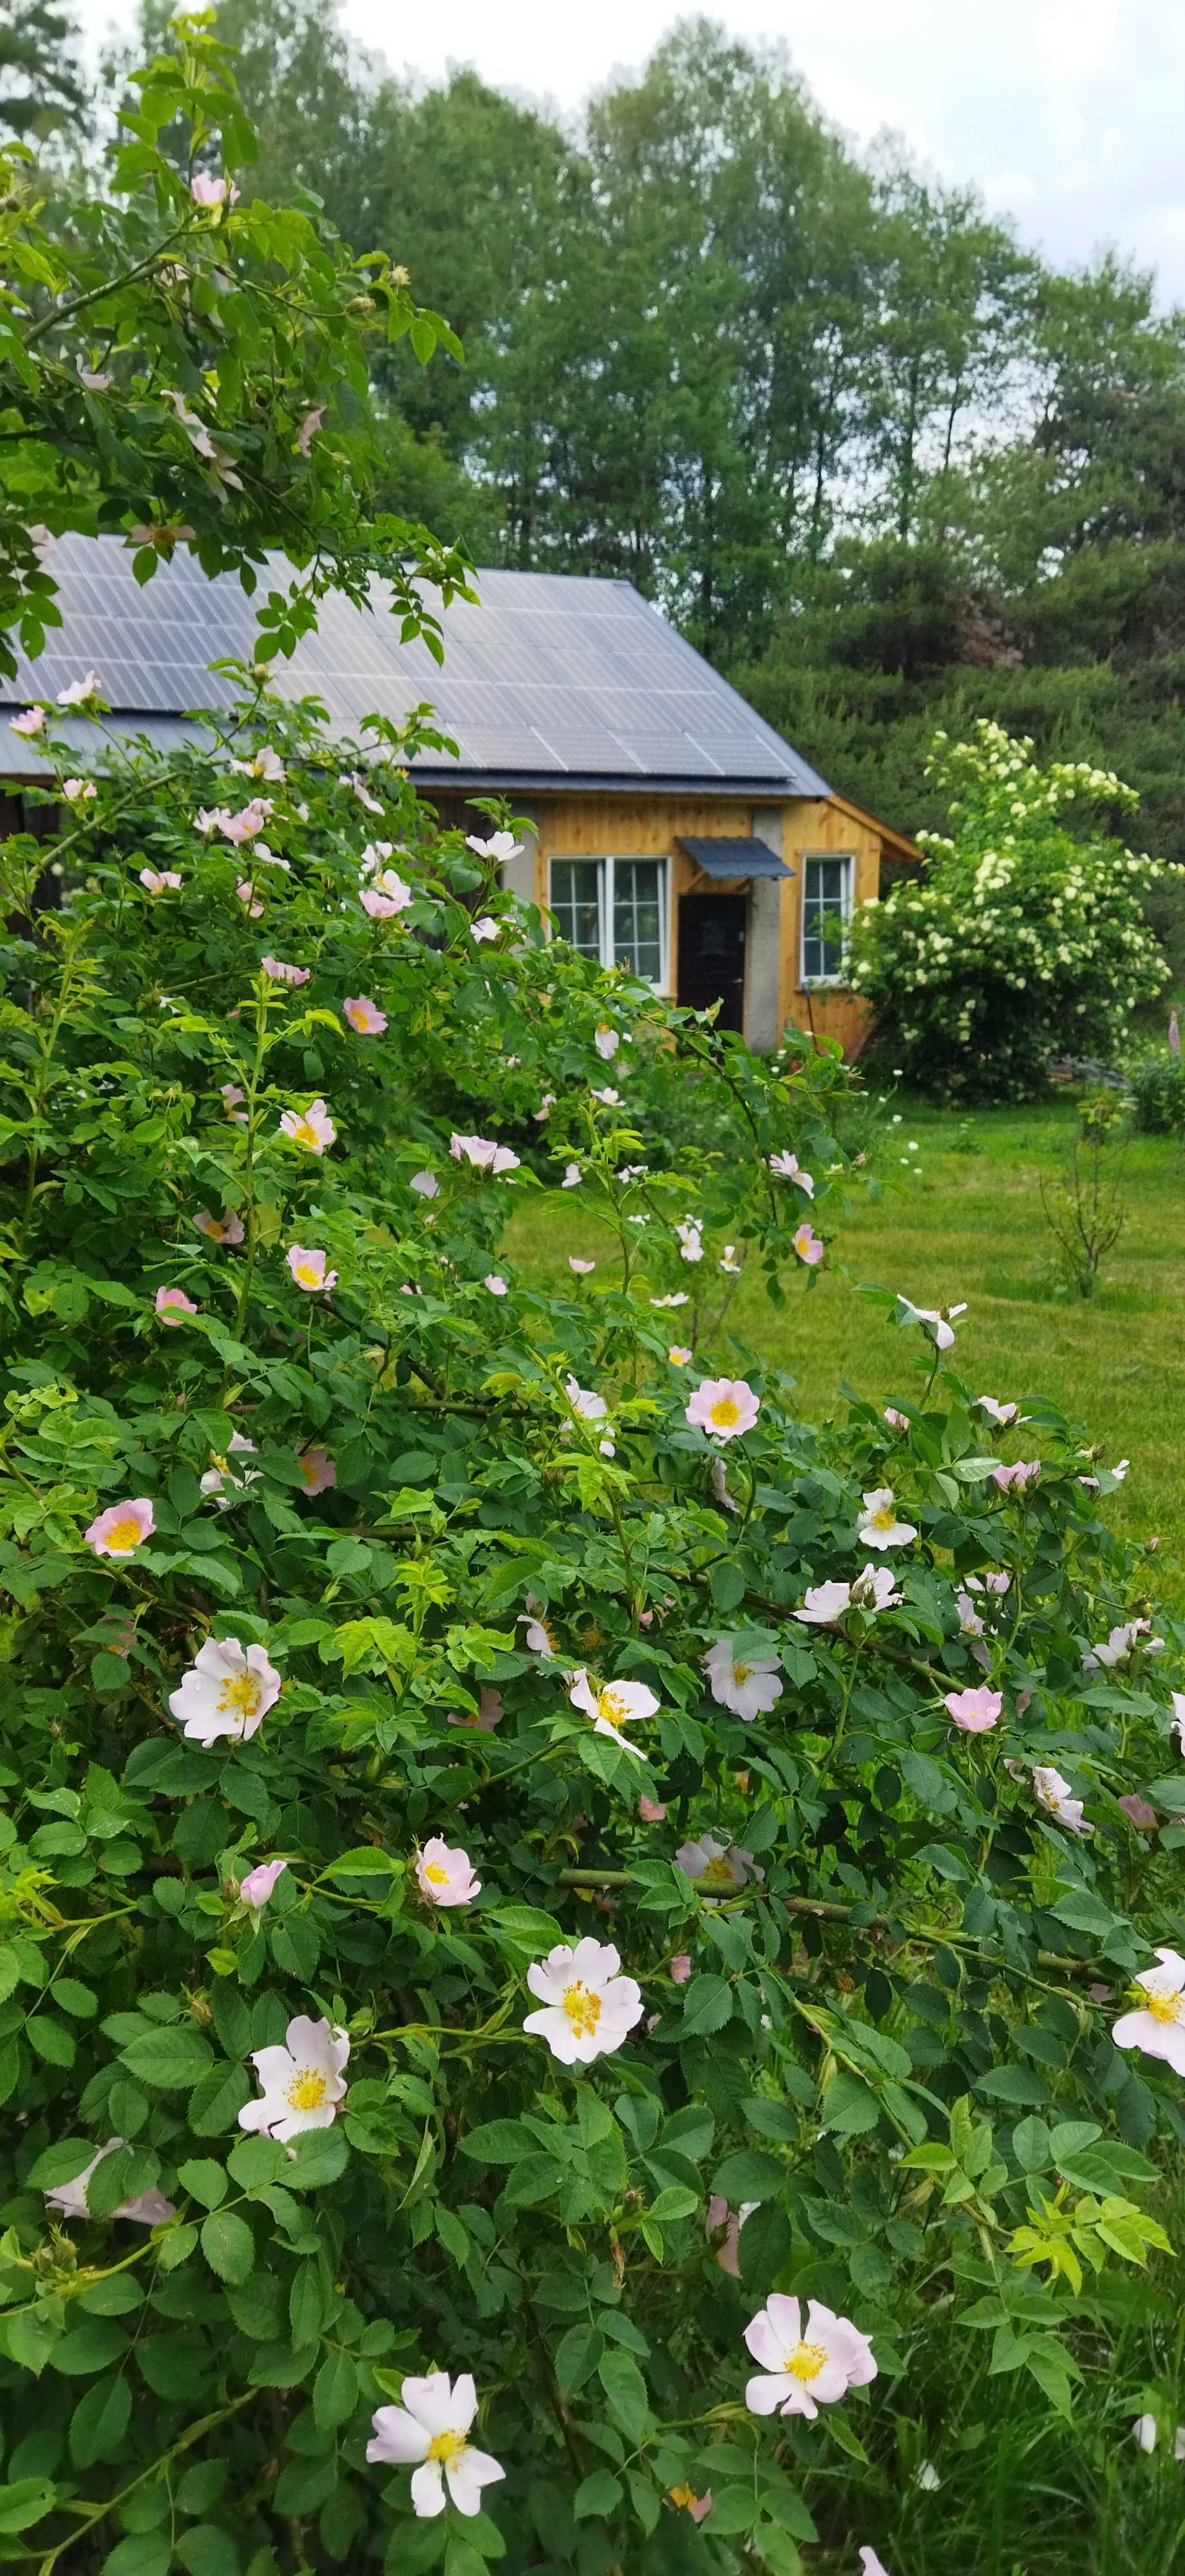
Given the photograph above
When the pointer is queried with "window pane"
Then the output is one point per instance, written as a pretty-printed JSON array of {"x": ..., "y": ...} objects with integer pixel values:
[
  {"x": 576, "y": 903},
  {"x": 824, "y": 917},
  {"x": 637, "y": 924}
]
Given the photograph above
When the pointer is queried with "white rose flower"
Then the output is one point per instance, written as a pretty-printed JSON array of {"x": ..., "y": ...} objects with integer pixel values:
[
  {"x": 228, "y": 1690},
  {"x": 302, "y": 2080}
]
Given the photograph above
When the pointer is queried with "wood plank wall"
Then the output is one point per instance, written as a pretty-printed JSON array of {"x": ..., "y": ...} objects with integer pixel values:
[{"x": 591, "y": 825}]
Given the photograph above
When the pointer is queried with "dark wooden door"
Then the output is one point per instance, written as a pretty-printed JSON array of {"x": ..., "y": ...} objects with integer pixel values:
[{"x": 712, "y": 955}]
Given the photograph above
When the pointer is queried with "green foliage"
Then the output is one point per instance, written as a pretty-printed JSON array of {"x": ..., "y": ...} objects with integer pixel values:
[
  {"x": 1156, "y": 1091},
  {"x": 1021, "y": 942},
  {"x": 902, "y": 1953},
  {"x": 184, "y": 368}
]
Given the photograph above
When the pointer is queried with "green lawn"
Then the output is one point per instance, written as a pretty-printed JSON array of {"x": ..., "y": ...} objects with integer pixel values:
[{"x": 972, "y": 1227}]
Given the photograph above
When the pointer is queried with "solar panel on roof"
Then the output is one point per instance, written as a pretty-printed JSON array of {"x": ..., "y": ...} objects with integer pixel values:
[{"x": 554, "y": 675}]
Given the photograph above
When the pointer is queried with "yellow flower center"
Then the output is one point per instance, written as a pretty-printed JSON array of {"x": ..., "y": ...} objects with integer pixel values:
[
  {"x": 1161, "y": 2007},
  {"x": 583, "y": 2009},
  {"x": 684, "y": 2497},
  {"x": 438, "y": 1876},
  {"x": 806, "y": 2360},
  {"x": 610, "y": 1704},
  {"x": 725, "y": 1412},
  {"x": 308, "y": 1275},
  {"x": 446, "y": 2447},
  {"x": 307, "y": 2090},
  {"x": 717, "y": 1873},
  {"x": 124, "y": 1534},
  {"x": 740, "y": 1674},
  {"x": 240, "y": 1696},
  {"x": 215, "y": 1229},
  {"x": 884, "y": 1518},
  {"x": 305, "y": 1134}
]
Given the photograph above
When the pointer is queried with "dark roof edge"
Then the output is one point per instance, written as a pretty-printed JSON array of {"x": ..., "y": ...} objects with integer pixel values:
[{"x": 755, "y": 791}]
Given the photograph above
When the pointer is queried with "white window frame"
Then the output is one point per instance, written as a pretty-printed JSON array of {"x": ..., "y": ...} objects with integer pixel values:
[
  {"x": 839, "y": 974},
  {"x": 606, "y": 866}
]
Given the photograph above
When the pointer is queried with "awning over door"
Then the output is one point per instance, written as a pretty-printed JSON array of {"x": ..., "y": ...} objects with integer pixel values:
[{"x": 739, "y": 858}]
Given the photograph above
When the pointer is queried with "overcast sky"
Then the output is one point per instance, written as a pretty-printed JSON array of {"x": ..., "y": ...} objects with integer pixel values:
[{"x": 1068, "y": 113}]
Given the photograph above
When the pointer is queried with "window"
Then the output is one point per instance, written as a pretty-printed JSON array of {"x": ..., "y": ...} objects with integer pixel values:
[
  {"x": 826, "y": 912},
  {"x": 577, "y": 900},
  {"x": 614, "y": 911}
]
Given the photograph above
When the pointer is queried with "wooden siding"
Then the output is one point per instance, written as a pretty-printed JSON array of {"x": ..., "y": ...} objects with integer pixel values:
[{"x": 589, "y": 825}]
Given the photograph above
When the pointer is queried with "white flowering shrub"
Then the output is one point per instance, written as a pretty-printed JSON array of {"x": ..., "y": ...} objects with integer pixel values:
[
  {"x": 545, "y": 1906},
  {"x": 1024, "y": 939}
]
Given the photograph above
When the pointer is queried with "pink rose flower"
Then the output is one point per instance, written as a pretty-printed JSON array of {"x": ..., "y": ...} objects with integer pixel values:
[
  {"x": 172, "y": 1304},
  {"x": 364, "y": 1016},
  {"x": 121, "y": 1529},
  {"x": 279, "y": 973},
  {"x": 257, "y": 1886},
  {"x": 974, "y": 1710},
  {"x": 317, "y": 1471},
  {"x": 726, "y": 1407},
  {"x": 681, "y": 1963},
  {"x": 308, "y": 1269}
]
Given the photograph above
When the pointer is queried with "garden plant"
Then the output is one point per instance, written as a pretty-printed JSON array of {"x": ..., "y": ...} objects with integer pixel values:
[
  {"x": 1025, "y": 939},
  {"x": 525, "y": 1865},
  {"x": 554, "y": 1920}
]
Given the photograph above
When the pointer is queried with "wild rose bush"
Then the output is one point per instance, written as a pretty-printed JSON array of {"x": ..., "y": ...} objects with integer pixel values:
[
  {"x": 549, "y": 1910},
  {"x": 1024, "y": 940}
]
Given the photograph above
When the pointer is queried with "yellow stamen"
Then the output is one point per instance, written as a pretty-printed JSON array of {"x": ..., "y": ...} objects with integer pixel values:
[
  {"x": 725, "y": 1412},
  {"x": 446, "y": 2446},
  {"x": 438, "y": 1876},
  {"x": 305, "y": 1134},
  {"x": 806, "y": 2360},
  {"x": 240, "y": 1696},
  {"x": 717, "y": 1873},
  {"x": 610, "y": 1704},
  {"x": 307, "y": 1275},
  {"x": 125, "y": 1534},
  {"x": 583, "y": 2009},
  {"x": 885, "y": 1518},
  {"x": 740, "y": 1674},
  {"x": 684, "y": 2497},
  {"x": 307, "y": 2090},
  {"x": 1161, "y": 2007}
]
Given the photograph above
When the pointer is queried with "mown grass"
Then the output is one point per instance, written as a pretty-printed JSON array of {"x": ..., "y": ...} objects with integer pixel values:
[
  {"x": 971, "y": 1225},
  {"x": 1021, "y": 2493}
]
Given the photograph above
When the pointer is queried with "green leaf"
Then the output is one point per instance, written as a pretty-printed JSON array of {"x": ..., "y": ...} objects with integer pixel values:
[
  {"x": 321, "y": 2157},
  {"x": 27, "y": 2501},
  {"x": 748, "y": 2175},
  {"x": 203, "y": 2180},
  {"x": 207, "y": 2550},
  {"x": 335, "y": 2391},
  {"x": 599, "y": 2495},
  {"x": 498, "y": 2142},
  {"x": 576, "y": 2357},
  {"x": 850, "y": 2106},
  {"x": 306, "y": 2306},
  {"x": 625, "y": 2390},
  {"x": 58, "y": 2164},
  {"x": 99, "y": 2422},
  {"x": 228, "y": 2245},
  {"x": 1031, "y": 2145},
  {"x": 707, "y": 2005},
  {"x": 171, "y": 2059}
]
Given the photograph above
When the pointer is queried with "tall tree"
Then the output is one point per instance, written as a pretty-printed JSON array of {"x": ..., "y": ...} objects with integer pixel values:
[{"x": 41, "y": 86}]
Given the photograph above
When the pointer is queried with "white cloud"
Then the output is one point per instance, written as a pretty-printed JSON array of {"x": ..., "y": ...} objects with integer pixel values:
[{"x": 1067, "y": 112}]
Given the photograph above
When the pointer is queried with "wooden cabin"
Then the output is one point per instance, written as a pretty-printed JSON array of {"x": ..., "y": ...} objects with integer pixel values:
[{"x": 675, "y": 831}]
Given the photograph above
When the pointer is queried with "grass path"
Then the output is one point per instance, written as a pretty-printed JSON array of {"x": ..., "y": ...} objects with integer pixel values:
[{"x": 972, "y": 1226}]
